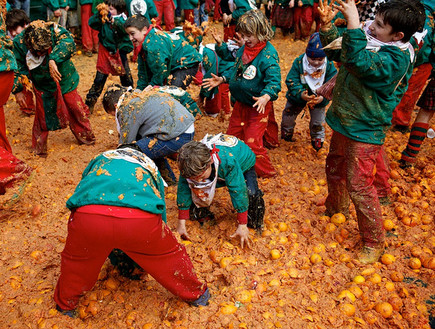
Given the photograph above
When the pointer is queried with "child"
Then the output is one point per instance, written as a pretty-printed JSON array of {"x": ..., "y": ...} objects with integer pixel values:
[
  {"x": 308, "y": 72},
  {"x": 72, "y": 20},
  {"x": 162, "y": 55},
  {"x": 114, "y": 41},
  {"x": 12, "y": 170},
  {"x": 89, "y": 36},
  {"x": 16, "y": 22},
  {"x": 157, "y": 122},
  {"x": 303, "y": 18},
  {"x": 57, "y": 11},
  {"x": 43, "y": 52},
  {"x": 255, "y": 82},
  {"x": 124, "y": 208},
  {"x": 166, "y": 8},
  {"x": 376, "y": 66},
  {"x": 232, "y": 10},
  {"x": 217, "y": 161},
  {"x": 421, "y": 125},
  {"x": 282, "y": 15}
]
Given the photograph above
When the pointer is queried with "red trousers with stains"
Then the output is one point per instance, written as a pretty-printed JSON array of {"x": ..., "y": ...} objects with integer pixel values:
[
  {"x": 189, "y": 16},
  {"x": 11, "y": 168},
  {"x": 78, "y": 117},
  {"x": 165, "y": 8},
  {"x": 303, "y": 20},
  {"x": 349, "y": 172},
  {"x": 30, "y": 104},
  {"x": 403, "y": 112},
  {"x": 220, "y": 101},
  {"x": 250, "y": 126},
  {"x": 94, "y": 231},
  {"x": 89, "y": 35}
]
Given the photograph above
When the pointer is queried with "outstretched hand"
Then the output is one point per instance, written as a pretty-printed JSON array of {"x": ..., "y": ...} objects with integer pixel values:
[
  {"x": 212, "y": 82},
  {"x": 327, "y": 13},
  {"x": 260, "y": 103},
  {"x": 181, "y": 229},
  {"x": 243, "y": 232},
  {"x": 54, "y": 72},
  {"x": 217, "y": 37}
]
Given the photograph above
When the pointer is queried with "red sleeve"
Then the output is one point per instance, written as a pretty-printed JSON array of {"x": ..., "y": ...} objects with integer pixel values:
[
  {"x": 242, "y": 217},
  {"x": 183, "y": 214}
]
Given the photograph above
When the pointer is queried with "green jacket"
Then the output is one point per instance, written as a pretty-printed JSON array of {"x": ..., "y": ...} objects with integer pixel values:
[
  {"x": 112, "y": 35},
  {"x": 72, "y": 4},
  {"x": 295, "y": 85},
  {"x": 305, "y": 3},
  {"x": 234, "y": 161},
  {"x": 426, "y": 49},
  {"x": 257, "y": 78},
  {"x": 151, "y": 11},
  {"x": 241, "y": 7},
  {"x": 63, "y": 47},
  {"x": 86, "y": 2},
  {"x": 55, "y": 4},
  {"x": 161, "y": 54},
  {"x": 369, "y": 86},
  {"x": 188, "y": 4},
  {"x": 123, "y": 178},
  {"x": 7, "y": 58}
]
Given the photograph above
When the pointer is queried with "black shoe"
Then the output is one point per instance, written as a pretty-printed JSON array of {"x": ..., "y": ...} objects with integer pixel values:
[
  {"x": 401, "y": 128},
  {"x": 317, "y": 144},
  {"x": 287, "y": 137},
  {"x": 71, "y": 313},
  {"x": 404, "y": 164}
]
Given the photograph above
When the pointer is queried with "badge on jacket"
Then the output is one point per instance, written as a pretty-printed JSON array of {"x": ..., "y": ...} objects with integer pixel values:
[{"x": 250, "y": 72}]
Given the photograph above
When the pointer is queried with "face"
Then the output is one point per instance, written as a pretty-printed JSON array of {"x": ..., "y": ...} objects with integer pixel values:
[
  {"x": 17, "y": 31},
  {"x": 316, "y": 62},
  {"x": 136, "y": 36},
  {"x": 249, "y": 40},
  {"x": 113, "y": 11},
  {"x": 383, "y": 32},
  {"x": 203, "y": 176}
]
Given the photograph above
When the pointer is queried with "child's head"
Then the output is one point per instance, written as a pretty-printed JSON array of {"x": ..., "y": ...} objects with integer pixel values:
[
  {"x": 398, "y": 20},
  {"x": 116, "y": 7},
  {"x": 111, "y": 98},
  {"x": 194, "y": 161},
  {"x": 254, "y": 27},
  {"x": 37, "y": 38},
  {"x": 136, "y": 26},
  {"x": 16, "y": 21},
  {"x": 315, "y": 54}
]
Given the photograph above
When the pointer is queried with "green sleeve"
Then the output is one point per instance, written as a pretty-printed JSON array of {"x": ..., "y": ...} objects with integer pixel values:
[
  {"x": 20, "y": 52},
  {"x": 151, "y": 9},
  {"x": 184, "y": 195},
  {"x": 158, "y": 61},
  {"x": 224, "y": 53},
  {"x": 293, "y": 81},
  {"x": 242, "y": 6},
  {"x": 326, "y": 38},
  {"x": 64, "y": 45},
  {"x": 95, "y": 22},
  {"x": 235, "y": 182},
  {"x": 142, "y": 74},
  {"x": 272, "y": 77},
  {"x": 53, "y": 5},
  {"x": 122, "y": 38}
]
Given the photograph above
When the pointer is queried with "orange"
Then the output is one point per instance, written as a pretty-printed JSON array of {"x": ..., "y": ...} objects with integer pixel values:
[
  {"x": 388, "y": 225},
  {"x": 385, "y": 309},
  {"x": 275, "y": 254},
  {"x": 388, "y": 259},
  {"x": 414, "y": 263},
  {"x": 315, "y": 258},
  {"x": 338, "y": 218},
  {"x": 348, "y": 309}
]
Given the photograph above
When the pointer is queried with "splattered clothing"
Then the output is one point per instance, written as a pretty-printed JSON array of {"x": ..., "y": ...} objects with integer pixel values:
[{"x": 120, "y": 204}]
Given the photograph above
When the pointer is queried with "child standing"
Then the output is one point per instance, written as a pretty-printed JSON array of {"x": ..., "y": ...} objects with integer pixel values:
[
  {"x": 255, "y": 82},
  {"x": 57, "y": 11},
  {"x": 43, "y": 53},
  {"x": 123, "y": 208},
  {"x": 303, "y": 18},
  {"x": 308, "y": 72},
  {"x": 217, "y": 161},
  {"x": 376, "y": 65},
  {"x": 282, "y": 15},
  {"x": 162, "y": 55},
  {"x": 89, "y": 36},
  {"x": 114, "y": 42}
]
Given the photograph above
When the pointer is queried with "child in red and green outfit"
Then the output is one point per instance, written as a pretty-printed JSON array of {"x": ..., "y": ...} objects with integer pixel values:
[
  {"x": 255, "y": 82},
  {"x": 376, "y": 65}
]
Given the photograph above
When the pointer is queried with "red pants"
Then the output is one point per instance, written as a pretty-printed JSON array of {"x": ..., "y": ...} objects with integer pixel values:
[
  {"x": 217, "y": 13},
  {"x": 403, "y": 112},
  {"x": 141, "y": 235},
  {"x": 89, "y": 36},
  {"x": 303, "y": 19},
  {"x": 271, "y": 139},
  {"x": 229, "y": 32},
  {"x": 30, "y": 104},
  {"x": 12, "y": 170},
  {"x": 250, "y": 126},
  {"x": 220, "y": 101},
  {"x": 6, "y": 84},
  {"x": 78, "y": 116},
  {"x": 189, "y": 16},
  {"x": 349, "y": 172},
  {"x": 382, "y": 174},
  {"x": 165, "y": 8}
]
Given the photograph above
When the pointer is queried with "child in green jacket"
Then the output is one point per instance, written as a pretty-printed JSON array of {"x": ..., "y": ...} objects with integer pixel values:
[
  {"x": 113, "y": 48},
  {"x": 377, "y": 62},
  {"x": 162, "y": 55}
]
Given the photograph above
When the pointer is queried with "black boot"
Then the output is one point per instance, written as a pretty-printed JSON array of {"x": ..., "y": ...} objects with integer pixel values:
[{"x": 256, "y": 211}]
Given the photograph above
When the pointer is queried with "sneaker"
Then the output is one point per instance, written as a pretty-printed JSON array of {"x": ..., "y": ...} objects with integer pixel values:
[
  {"x": 401, "y": 128},
  {"x": 317, "y": 144},
  {"x": 368, "y": 255},
  {"x": 71, "y": 313},
  {"x": 202, "y": 300}
]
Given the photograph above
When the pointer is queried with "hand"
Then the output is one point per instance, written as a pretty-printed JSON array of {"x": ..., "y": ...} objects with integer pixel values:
[
  {"x": 217, "y": 37},
  {"x": 349, "y": 11},
  {"x": 243, "y": 232},
  {"x": 269, "y": 5},
  {"x": 300, "y": 3},
  {"x": 20, "y": 98},
  {"x": 57, "y": 13},
  {"x": 291, "y": 3},
  {"x": 212, "y": 82},
  {"x": 181, "y": 229},
  {"x": 66, "y": 8},
  {"x": 238, "y": 39},
  {"x": 318, "y": 99},
  {"x": 306, "y": 97},
  {"x": 54, "y": 72},
  {"x": 327, "y": 14},
  {"x": 261, "y": 102},
  {"x": 225, "y": 19}
]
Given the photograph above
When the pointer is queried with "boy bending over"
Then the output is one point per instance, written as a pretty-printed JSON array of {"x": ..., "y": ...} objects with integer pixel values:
[{"x": 377, "y": 63}]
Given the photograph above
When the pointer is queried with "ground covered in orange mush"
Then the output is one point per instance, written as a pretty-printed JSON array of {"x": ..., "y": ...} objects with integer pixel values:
[{"x": 300, "y": 272}]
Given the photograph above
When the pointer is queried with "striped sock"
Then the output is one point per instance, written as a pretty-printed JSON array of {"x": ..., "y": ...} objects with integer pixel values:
[{"x": 417, "y": 136}]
